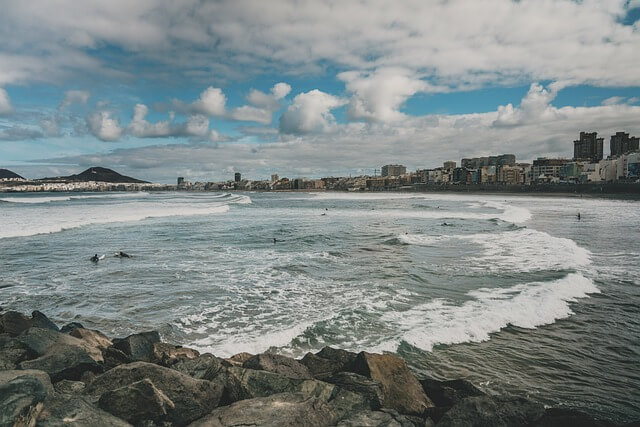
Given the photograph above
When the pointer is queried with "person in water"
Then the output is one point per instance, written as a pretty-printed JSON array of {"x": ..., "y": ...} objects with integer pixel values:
[
  {"x": 578, "y": 216},
  {"x": 95, "y": 258},
  {"x": 122, "y": 255}
]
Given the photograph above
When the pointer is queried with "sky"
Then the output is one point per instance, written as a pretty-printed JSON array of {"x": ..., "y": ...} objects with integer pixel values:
[{"x": 203, "y": 89}]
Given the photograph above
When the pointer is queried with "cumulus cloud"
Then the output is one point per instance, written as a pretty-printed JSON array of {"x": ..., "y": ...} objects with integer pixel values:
[
  {"x": 74, "y": 97},
  {"x": 211, "y": 102},
  {"x": 534, "y": 107},
  {"x": 263, "y": 105},
  {"x": 5, "y": 102},
  {"x": 310, "y": 112},
  {"x": 141, "y": 128},
  {"x": 103, "y": 126}
]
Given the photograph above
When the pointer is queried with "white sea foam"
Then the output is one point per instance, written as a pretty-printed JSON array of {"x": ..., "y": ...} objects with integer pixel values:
[
  {"x": 525, "y": 305},
  {"x": 49, "y": 199}
]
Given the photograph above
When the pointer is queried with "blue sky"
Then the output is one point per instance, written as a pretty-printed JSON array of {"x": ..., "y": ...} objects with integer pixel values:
[{"x": 157, "y": 89}]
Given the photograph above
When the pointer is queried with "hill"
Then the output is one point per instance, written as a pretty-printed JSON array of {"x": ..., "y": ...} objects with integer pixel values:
[
  {"x": 7, "y": 174},
  {"x": 97, "y": 174}
]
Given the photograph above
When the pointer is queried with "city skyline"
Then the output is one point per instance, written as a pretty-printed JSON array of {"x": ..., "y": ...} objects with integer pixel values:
[{"x": 158, "y": 90}]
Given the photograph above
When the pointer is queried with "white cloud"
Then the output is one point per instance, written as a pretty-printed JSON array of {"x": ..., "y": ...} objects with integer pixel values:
[
  {"x": 263, "y": 105},
  {"x": 74, "y": 97},
  {"x": 248, "y": 113},
  {"x": 141, "y": 128},
  {"x": 534, "y": 107},
  {"x": 103, "y": 126},
  {"x": 211, "y": 102},
  {"x": 310, "y": 112},
  {"x": 280, "y": 90},
  {"x": 197, "y": 125},
  {"x": 5, "y": 102}
]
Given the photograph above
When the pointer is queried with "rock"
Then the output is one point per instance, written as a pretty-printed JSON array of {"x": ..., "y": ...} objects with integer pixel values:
[
  {"x": 279, "y": 410},
  {"x": 557, "y": 417},
  {"x": 94, "y": 339},
  {"x": 400, "y": 388},
  {"x": 21, "y": 396},
  {"x": 137, "y": 402},
  {"x": 379, "y": 419},
  {"x": 370, "y": 389},
  {"x": 239, "y": 358},
  {"x": 276, "y": 363},
  {"x": 63, "y": 362},
  {"x": 39, "y": 320},
  {"x": 41, "y": 341},
  {"x": 320, "y": 367},
  {"x": 77, "y": 411},
  {"x": 192, "y": 398},
  {"x": 487, "y": 411},
  {"x": 138, "y": 346},
  {"x": 448, "y": 393},
  {"x": 168, "y": 354},
  {"x": 205, "y": 367},
  {"x": 70, "y": 327},
  {"x": 113, "y": 357},
  {"x": 14, "y": 323},
  {"x": 69, "y": 387},
  {"x": 342, "y": 357},
  {"x": 12, "y": 352}
]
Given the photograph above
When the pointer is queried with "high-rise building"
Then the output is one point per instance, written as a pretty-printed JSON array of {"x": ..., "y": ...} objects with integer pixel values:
[
  {"x": 393, "y": 170},
  {"x": 449, "y": 165},
  {"x": 621, "y": 143},
  {"x": 275, "y": 177},
  {"x": 588, "y": 147},
  {"x": 238, "y": 177},
  {"x": 180, "y": 181}
]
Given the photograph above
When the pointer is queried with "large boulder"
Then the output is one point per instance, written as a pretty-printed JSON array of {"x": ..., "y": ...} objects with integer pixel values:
[
  {"x": 448, "y": 393},
  {"x": 380, "y": 419},
  {"x": 370, "y": 389},
  {"x": 21, "y": 396},
  {"x": 113, "y": 357},
  {"x": 92, "y": 338},
  {"x": 488, "y": 411},
  {"x": 279, "y": 410},
  {"x": 64, "y": 410},
  {"x": 239, "y": 358},
  {"x": 204, "y": 367},
  {"x": 278, "y": 364},
  {"x": 400, "y": 388},
  {"x": 168, "y": 354},
  {"x": 192, "y": 398},
  {"x": 63, "y": 362},
  {"x": 39, "y": 320},
  {"x": 69, "y": 387},
  {"x": 42, "y": 341},
  {"x": 320, "y": 367},
  {"x": 138, "y": 346},
  {"x": 12, "y": 352},
  {"x": 137, "y": 402},
  {"x": 70, "y": 327},
  {"x": 342, "y": 357},
  {"x": 14, "y": 323}
]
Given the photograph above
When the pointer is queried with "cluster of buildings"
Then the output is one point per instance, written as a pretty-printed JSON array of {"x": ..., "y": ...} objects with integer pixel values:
[{"x": 25, "y": 186}]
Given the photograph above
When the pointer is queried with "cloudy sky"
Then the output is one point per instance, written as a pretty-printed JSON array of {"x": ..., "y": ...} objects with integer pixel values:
[{"x": 201, "y": 89}]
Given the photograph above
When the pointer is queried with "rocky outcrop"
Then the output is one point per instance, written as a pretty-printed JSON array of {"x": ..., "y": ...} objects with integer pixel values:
[
  {"x": 278, "y": 364},
  {"x": 138, "y": 346},
  {"x": 14, "y": 323},
  {"x": 486, "y": 411},
  {"x": 64, "y": 362},
  {"x": 448, "y": 393},
  {"x": 137, "y": 402},
  {"x": 21, "y": 396}
]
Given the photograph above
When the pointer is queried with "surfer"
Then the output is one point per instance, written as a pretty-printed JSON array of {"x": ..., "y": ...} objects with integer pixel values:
[
  {"x": 122, "y": 255},
  {"x": 578, "y": 216},
  {"x": 95, "y": 258},
  {"x": 275, "y": 240}
]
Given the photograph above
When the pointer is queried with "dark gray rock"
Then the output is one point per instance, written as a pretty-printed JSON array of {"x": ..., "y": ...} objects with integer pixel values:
[
  {"x": 380, "y": 419},
  {"x": 14, "y": 323},
  {"x": 21, "y": 396},
  {"x": 63, "y": 362},
  {"x": 113, "y": 357},
  {"x": 168, "y": 354},
  {"x": 320, "y": 367},
  {"x": 400, "y": 388},
  {"x": 70, "y": 327},
  {"x": 557, "y": 417},
  {"x": 278, "y": 364},
  {"x": 192, "y": 398},
  {"x": 64, "y": 410},
  {"x": 487, "y": 411},
  {"x": 370, "y": 389},
  {"x": 205, "y": 366},
  {"x": 138, "y": 346},
  {"x": 137, "y": 402},
  {"x": 448, "y": 393},
  {"x": 69, "y": 387},
  {"x": 342, "y": 357},
  {"x": 39, "y": 320},
  {"x": 43, "y": 377},
  {"x": 41, "y": 341},
  {"x": 12, "y": 352},
  {"x": 279, "y": 410}
]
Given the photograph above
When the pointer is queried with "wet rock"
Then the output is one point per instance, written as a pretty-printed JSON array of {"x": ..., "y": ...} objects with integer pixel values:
[
  {"x": 239, "y": 358},
  {"x": 320, "y": 367},
  {"x": 337, "y": 355},
  {"x": 205, "y": 366},
  {"x": 380, "y": 419},
  {"x": 12, "y": 352},
  {"x": 138, "y": 346},
  {"x": 370, "y": 389},
  {"x": 39, "y": 320},
  {"x": 168, "y": 354},
  {"x": 113, "y": 357},
  {"x": 77, "y": 411},
  {"x": 42, "y": 341},
  {"x": 14, "y": 323},
  {"x": 487, "y": 411},
  {"x": 192, "y": 398},
  {"x": 556, "y": 417},
  {"x": 69, "y": 387},
  {"x": 400, "y": 388},
  {"x": 278, "y": 364},
  {"x": 137, "y": 402},
  {"x": 93, "y": 339},
  {"x": 63, "y": 362},
  {"x": 21, "y": 396},
  {"x": 448, "y": 393},
  {"x": 70, "y": 327},
  {"x": 279, "y": 410}
]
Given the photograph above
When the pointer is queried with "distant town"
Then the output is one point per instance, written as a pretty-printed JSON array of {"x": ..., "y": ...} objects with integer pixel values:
[{"x": 619, "y": 172}]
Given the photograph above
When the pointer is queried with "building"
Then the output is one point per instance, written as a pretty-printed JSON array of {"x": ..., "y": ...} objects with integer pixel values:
[
  {"x": 275, "y": 177},
  {"x": 510, "y": 175},
  {"x": 543, "y": 169},
  {"x": 180, "y": 181},
  {"x": 449, "y": 165},
  {"x": 238, "y": 177},
  {"x": 393, "y": 170},
  {"x": 621, "y": 144},
  {"x": 588, "y": 147}
]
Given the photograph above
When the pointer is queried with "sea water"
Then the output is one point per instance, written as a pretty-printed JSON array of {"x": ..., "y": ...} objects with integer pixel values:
[{"x": 513, "y": 293}]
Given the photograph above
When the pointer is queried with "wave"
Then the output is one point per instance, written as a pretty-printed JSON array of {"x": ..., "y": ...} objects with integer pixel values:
[
  {"x": 49, "y": 199},
  {"x": 526, "y": 306}
]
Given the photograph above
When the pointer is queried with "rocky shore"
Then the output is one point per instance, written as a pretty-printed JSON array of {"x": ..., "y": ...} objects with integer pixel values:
[{"x": 51, "y": 376}]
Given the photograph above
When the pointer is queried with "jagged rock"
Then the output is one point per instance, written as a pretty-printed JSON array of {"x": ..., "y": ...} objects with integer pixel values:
[
  {"x": 12, "y": 352},
  {"x": 138, "y": 346},
  {"x": 21, "y": 396},
  {"x": 113, "y": 357},
  {"x": 77, "y": 411},
  {"x": 337, "y": 355},
  {"x": 69, "y": 387},
  {"x": 448, "y": 393},
  {"x": 137, "y": 402},
  {"x": 279, "y": 410},
  {"x": 557, "y": 417},
  {"x": 400, "y": 388},
  {"x": 239, "y": 358},
  {"x": 63, "y": 362},
  {"x": 14, "y": 323},
  {"x": 193, "y": 398},
  {"x": 39, "y": 320},
  {"x": 94, "y": 339},
  {"x": 278, "y": 364},
  {"x": 370, "y": 389},
  {"x": 488, "y": 411},
  {"x": 70, "y": 327},
  {"x": 380, "y": 419},
  {"x": 204, "y": 367},
  {"x": 41, "y": 341},
  {"x": 320, "y": 367},
  {"x": 168, "y": 354}
]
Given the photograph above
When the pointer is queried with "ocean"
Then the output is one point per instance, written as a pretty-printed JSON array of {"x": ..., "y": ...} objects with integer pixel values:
[{"x": 514, "y": 293}]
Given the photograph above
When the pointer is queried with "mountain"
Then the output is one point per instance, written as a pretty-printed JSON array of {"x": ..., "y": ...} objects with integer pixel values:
[
  {"x": 97, "y": 174},
  {"x": 7, "y": 174}
]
